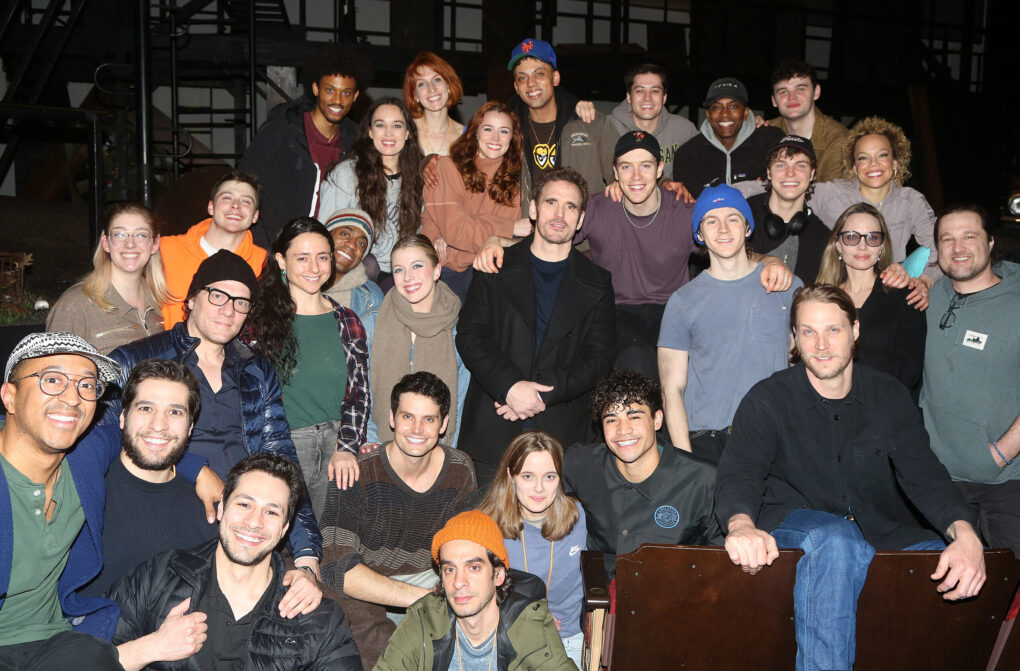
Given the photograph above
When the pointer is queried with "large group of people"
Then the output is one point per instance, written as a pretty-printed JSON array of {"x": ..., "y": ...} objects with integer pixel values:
[{"x": 369, "y": 412}]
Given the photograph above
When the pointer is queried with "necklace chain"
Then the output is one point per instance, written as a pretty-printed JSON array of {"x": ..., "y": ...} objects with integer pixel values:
[
  {"x": 627, "y": 214},
  {"x": 425, "y": 134},
  {"x": 460, "y": 660},
  {"x": 524, "y": 549}
]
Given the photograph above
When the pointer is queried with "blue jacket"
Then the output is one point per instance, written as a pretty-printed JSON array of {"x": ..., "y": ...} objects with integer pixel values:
[
  {"x": 264, "y": 422},
  {"x": 88, "y": 462},
  {"x": 365, "y": 301}
]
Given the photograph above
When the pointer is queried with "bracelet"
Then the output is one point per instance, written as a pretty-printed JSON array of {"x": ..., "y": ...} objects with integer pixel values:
[
  {"x": 995, "y": 446},
  {"x": 309, "y": 569}
]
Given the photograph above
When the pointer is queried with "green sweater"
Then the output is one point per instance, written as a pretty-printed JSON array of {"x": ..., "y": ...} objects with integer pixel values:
[{"x": 971, "y": 391}]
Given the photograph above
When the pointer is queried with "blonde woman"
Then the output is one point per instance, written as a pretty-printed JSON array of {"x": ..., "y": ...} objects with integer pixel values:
[{"x": 121, "y": 300}]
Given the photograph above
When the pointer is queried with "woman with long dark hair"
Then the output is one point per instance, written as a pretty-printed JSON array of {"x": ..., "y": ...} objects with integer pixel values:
[
  {"x": 892, "y": 333},
  {"x": 543, "y": 529},
  {"x": 414, "y": 331},
  {"x": 382, "y": 176},
  {"x": 319, "y": 351},
  {"x": 121, "y": 300},
  {"x": 431, "y": 89},
  {"x": 478, "y": 194}
]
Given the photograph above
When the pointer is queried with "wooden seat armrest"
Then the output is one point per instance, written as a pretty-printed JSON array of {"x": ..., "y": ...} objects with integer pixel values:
[{"x": 593, "y": 578}]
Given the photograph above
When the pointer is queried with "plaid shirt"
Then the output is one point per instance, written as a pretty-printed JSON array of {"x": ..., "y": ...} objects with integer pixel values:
[{"x": 358, "y": 401}]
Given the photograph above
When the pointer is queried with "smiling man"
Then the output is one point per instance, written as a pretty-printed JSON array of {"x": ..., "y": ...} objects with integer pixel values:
[
  {"x": 233, "y": 208},
  {"x": 301, "y": 139},
  {"x": 482, "y": 615},
  {"x": 242, "y": 406},
  {"x": 788, "y": 229},
  {"x": 51, "y": 506},
  {"x": 150, "y": 508},
  {"x": 795, "y": 89},
  {"x": 721, "y": 333},
  {"x": 378, "y": 532},
  {"x": 827, "y": 456},
  {"x": 352, "y": 233},
  {"x": 538, "y": 335},
  {"x": 729, "y": 149},
  {"x": 634, "y": 487},
  {"x": 214, "y": 607},
  {"x": 554, "y": 135},
  {"x": 971, "y": 393}
]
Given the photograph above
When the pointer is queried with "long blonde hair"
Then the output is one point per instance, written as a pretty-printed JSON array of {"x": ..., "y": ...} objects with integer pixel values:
[
  {"x": 96, "y": 283},
  {"x": 501, "y": 502},
  {"x": 833, "y": 269}
]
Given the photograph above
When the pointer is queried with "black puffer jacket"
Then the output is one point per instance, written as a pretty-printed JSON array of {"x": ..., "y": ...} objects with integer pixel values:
[
  {"x": 319, "y": 640},
  {"x": 279, "y": 157}
]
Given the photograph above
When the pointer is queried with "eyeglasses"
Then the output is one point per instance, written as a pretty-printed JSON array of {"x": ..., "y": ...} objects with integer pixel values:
[
  {"x": 218, "y": 298},
  {"x": 120, "y": 237},
  {"x": 872, "y": 239},
  {"x": 53, "y": 383},
  {"x": 949, "y": 318}
]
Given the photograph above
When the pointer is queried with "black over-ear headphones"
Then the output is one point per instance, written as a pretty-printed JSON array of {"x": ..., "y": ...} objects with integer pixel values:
[{"x": 776, "y": 228}]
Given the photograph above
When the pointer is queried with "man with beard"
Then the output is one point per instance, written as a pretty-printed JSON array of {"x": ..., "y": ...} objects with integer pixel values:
[
  {"x": 149, "y": 508},
  {"x": 533, "y": 366},
  {"x": 814, "y": 461},
  {"x": 482, "y": 612},
  {"x": 971, "y": 395},
  {"x": 215, "y": 606}
]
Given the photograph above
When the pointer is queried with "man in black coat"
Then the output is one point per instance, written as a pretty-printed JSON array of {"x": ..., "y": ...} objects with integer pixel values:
[
  {"x": 538, "y": 335},
  {"x": 217, "y": 605},
  {"x": 299, "y": 141}
]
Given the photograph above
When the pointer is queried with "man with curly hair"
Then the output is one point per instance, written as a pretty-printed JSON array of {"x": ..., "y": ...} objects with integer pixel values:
[
  {"x": 635, "y": 487},
  {"x": 302, "y": 138}
]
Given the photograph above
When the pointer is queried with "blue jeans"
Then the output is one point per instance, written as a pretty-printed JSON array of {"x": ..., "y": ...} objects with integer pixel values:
[{"x": 830, "y": 577}]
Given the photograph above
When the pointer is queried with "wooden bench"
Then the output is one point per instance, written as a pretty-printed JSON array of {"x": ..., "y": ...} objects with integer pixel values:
[{"x": 683, "y": 607}]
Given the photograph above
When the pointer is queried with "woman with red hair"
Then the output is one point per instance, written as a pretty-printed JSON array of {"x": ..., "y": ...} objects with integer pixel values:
[
  {"x": 478, "y": 194},
  {"x": 431, "y": 88}
]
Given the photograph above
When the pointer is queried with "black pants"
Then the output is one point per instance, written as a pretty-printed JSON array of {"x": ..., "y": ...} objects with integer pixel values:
[
  {"x": 66, "y": 650},
  {"x": 637, "y": 338},
  {"x": 709, "y": 445},
  {"x": 997, "y": 508}
]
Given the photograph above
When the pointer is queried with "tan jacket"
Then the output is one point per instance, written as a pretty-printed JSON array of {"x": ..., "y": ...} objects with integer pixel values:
[{"x": 827, "y": 137}]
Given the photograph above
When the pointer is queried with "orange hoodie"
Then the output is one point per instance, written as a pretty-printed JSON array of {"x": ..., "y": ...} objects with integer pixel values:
[{"x": 182, "y": 254}]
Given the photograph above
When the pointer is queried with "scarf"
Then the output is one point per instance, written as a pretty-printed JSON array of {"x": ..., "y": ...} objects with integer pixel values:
[
  {"x": 342, "y": 287},
  {"x": 433, "y": 351}
]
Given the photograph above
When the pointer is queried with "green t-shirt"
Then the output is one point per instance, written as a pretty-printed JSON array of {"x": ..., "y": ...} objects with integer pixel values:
[
  {"x": 318, "y": 384},
  {"x": 31, "y": 611}
]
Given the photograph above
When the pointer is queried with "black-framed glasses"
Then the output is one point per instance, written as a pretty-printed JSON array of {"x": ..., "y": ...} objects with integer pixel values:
[
  {"x": 53, "y": 383},
  {"x": 949, "y": 318},
  {"x": 872, "y": 239},
  {"x": 218, "y": 298}
]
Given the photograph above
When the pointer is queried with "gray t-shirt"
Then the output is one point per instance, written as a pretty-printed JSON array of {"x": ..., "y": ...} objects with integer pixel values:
[
  {"x": 735, "y": 334},
  {"x": 470, "y": 658}
]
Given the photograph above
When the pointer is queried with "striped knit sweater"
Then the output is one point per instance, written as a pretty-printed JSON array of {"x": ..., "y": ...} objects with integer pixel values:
[{"x": 384, "y": 524}]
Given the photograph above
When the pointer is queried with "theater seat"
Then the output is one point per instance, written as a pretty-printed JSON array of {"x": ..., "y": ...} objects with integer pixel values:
[{"x": 683, "y": 607}]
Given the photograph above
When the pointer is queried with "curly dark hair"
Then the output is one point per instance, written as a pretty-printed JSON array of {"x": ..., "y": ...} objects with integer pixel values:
[
  {"x": 503, "y": 591},
  {"x": 334, "y": 59},
  {"x": 505, "y": 187},
  {"x": 623, "y": 387},
  {"x": 268, "y": 329},
  {"x": 787, "y": 152},
  {"x": 368, "y": 170}
]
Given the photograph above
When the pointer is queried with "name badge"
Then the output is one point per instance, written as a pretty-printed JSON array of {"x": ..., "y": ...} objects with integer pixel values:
[{"x": 975, "y": 340}]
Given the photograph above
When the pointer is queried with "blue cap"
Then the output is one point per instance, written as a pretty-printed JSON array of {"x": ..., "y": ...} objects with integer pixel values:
[
  {"x": 532, "y": 48},
  {"x": 715, "y": 197}
]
